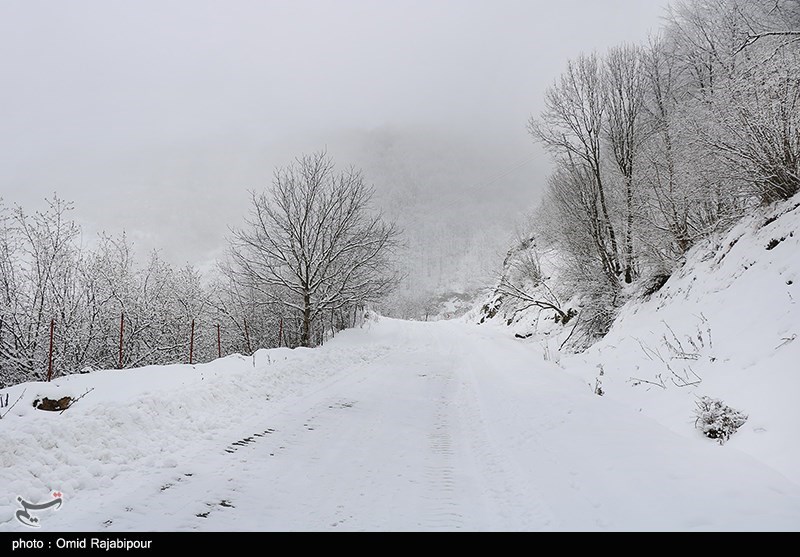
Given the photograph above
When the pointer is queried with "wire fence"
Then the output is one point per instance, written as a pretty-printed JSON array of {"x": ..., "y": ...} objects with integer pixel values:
[{"x": 64, "y": 349}]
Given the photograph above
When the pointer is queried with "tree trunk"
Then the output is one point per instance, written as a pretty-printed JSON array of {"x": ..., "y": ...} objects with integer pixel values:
[
  {"x": 305, "y": 340},
  {"x": 614, "y": 255},
  {"x": 629, "y": 273},
  {"x": 679, "y": 218}
]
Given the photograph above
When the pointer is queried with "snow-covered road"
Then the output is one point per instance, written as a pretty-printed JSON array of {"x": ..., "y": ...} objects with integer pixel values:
[{"x": 440, "y": 426}]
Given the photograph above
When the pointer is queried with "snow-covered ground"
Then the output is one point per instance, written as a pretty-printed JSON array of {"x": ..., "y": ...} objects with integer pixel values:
[
  {"x": 395, "y": 426},
  {"x": 449, "y": 425}
]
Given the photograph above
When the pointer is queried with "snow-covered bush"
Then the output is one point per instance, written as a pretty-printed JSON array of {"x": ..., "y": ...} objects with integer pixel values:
[{"x": 717, "y": 420}]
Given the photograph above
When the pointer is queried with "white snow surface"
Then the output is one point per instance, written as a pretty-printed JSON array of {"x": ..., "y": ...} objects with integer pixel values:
[
  {"x": 401, "y": 426},
  {"x": 397, "y": 426}
]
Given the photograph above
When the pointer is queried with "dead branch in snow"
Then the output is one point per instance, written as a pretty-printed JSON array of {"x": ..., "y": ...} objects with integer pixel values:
[
  {"x": 10, "y": 408},
  {"x": 76, "y": 400}
]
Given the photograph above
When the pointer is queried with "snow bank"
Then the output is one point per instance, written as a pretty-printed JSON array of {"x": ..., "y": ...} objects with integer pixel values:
[{"x": 133, "y": 422}]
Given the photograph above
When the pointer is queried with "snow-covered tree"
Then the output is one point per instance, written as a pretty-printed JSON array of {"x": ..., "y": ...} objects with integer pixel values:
[
  {"x": 657, "y": 147},
  {"x": 571, "y": 127},
  {"x": 312, "y": 244},
  {"x": 624, "y": 100}
]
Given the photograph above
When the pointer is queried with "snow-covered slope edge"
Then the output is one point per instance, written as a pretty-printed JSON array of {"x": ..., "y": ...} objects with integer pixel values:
[{"x": 725, "y": 326}]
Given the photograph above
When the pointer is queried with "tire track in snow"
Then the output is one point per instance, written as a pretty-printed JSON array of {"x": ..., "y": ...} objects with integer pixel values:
[
  {"x": 455, "y": 497},
  {"x": 497, "y": 493},
  {"x": 440, "y": 471}
]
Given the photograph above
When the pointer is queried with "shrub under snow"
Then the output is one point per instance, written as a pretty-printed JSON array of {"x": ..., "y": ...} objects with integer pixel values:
[{"x": 717, "y": 420}]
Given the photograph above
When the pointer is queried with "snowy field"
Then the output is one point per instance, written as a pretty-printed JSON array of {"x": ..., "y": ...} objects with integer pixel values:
[{"x": 396, "y": 426}]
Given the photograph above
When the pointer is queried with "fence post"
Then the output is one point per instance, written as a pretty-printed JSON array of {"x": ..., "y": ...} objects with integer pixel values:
[
  {"x": 121, "y": 335},
  {"x": 50, "y": 362},
  {"x": 219, "y": 343},
  {"x": 191, "y": 346}
]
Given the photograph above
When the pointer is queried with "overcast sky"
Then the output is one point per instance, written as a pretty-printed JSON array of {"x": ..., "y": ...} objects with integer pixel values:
[{"x": 158, "y": 116}]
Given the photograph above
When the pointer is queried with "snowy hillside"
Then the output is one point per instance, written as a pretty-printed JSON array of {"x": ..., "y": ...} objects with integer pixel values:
[{"x": 724, "y": 326}]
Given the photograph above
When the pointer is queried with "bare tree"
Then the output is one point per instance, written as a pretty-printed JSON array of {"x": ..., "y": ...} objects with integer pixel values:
[
  {"x": 755, "y": 128},
  {"x": 312, "y": 245},
  {"x": 571, "y": 214},
  {"x": 107, "y": 310},
  {"x": 38, "y": 259},
  {"x": 748, "y": 116},
  {"x": 670, "y": 195},
  {"x": 524, "y": 282},
  {"x": 706, "y": 35},
  {"x": 571, "y": 126},
  {"x": 624, "y": 98},
  {"x": 777, "y": 20}
]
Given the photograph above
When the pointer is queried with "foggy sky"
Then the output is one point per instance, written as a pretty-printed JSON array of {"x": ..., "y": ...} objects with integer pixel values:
[{"x": 158, "y": 116}]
